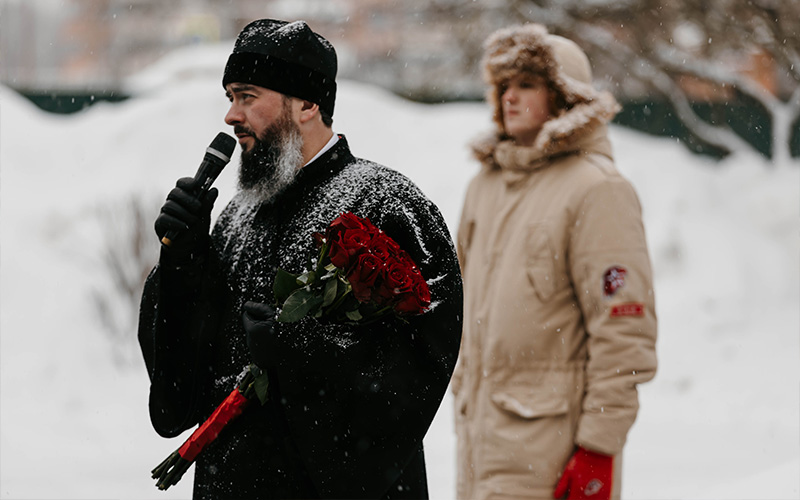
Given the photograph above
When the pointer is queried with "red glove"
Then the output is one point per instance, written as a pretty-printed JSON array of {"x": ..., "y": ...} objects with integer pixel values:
[{"x": 587, "y": 476}]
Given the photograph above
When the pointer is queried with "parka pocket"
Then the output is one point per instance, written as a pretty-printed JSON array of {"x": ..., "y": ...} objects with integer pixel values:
[
  {"x": 528, "y": 435},
  {"x": 529, "y": 404},
  {"x": 540, "y": 266}
]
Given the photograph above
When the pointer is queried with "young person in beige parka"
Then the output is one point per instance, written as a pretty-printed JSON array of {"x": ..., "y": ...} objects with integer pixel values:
[{"x": 560, "y": 322}]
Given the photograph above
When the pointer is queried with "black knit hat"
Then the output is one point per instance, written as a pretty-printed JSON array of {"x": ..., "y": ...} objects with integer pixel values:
[{"x": 285, "y": 57}]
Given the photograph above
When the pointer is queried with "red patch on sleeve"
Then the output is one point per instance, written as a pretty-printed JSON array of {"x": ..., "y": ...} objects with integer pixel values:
[
  {"x": 613, "y": 280},
  {"x": 629, "y": 309}
]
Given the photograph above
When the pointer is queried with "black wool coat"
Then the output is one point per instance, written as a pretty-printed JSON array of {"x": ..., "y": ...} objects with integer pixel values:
[{"x": 349, "y": 405}]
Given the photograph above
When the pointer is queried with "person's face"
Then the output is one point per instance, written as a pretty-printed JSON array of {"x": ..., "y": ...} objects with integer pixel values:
[
  {"x": 253, "y": 111},
  {"x": 525, "y": 101},
  {"x": 271, "y": 140}
]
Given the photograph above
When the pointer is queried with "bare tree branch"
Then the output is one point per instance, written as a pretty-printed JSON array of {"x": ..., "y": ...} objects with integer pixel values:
[{"x": 658, "y": 42}]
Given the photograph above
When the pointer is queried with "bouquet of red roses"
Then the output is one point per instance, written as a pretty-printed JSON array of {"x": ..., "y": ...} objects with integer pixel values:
[{"x": 359, "y": 276}]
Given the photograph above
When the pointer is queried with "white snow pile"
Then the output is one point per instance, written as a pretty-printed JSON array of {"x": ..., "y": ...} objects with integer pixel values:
[{"x": 720, "y": 421}]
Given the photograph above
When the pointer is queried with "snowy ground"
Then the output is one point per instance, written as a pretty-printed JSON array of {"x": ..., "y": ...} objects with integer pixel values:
[{"x": 720, "y": 421}]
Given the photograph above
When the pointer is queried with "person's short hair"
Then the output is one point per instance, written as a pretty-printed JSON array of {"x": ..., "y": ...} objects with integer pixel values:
[{"x": 327, "y": 119}]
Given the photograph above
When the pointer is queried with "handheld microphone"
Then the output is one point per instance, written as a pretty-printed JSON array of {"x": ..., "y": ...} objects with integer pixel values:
[{"x": 218, "y": 154}]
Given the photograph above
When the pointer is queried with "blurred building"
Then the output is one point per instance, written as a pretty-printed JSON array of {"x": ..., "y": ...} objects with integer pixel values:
[
  {"x": 424, "y": 49},
  {"x": 48, "y": 45},
  {"x": 413, "y": 47},
  {"x": 66, "y": 54}
]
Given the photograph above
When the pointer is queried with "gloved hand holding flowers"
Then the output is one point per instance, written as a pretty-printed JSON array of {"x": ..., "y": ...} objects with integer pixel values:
[{"x": 359, "y": 276}]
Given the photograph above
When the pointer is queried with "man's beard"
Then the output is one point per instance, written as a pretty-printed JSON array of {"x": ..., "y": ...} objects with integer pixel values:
[{"x": 273, "y": 162}]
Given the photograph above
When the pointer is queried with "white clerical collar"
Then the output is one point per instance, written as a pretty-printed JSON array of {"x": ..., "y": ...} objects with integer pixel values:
[{"x": 326, "y": 147}]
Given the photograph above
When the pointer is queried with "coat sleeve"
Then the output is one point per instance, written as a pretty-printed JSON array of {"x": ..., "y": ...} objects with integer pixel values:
[
  {"x": 611, "y": 273},
  {"x": 175, "y": 321},
  {"x": 362, "y": 402}
]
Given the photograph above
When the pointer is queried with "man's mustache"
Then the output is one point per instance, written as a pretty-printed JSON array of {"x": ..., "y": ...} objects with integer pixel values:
[{"x": 241, "y": 129}]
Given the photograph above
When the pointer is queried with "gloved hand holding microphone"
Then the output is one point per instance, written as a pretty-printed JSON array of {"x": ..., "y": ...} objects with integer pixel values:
[{"x": 185, "y": 217}]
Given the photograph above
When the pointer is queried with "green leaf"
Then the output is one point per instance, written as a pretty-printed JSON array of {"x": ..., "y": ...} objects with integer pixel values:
[
  {"x": 307, "y": 278},
  {"x": 330, "y": 268},
  {"x": 261, "y": 385},
  {"x": 298, "y": 305},
  {"x": 353, "y": 315},
  {"x": 285, "y": 284},
  {"x": 330, "y": 292}
]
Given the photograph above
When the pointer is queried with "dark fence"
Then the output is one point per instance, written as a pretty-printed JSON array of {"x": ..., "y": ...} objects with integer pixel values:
[
  {"x": 66, "y": 102},
  {"x": 746, "y": 117}
]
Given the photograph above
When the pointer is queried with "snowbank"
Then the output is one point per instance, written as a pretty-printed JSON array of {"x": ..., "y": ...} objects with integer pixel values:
[{"x": 719, "y": 421}]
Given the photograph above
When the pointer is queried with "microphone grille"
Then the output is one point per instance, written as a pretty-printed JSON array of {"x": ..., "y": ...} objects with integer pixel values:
[{"x": 224, "y": 144}]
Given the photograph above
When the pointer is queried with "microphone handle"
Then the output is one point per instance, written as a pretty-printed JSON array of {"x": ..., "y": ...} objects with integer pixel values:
[
  {"x": 166, "y": 240},
  {"x": 218, "y": 154}
]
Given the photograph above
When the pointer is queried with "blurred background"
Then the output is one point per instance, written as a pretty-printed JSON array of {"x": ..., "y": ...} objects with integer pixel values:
[
  {"x": 105, "y": 103},
  {"x": 718, "y": 75}
]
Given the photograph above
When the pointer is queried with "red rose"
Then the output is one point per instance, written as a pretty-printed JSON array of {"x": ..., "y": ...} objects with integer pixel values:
[
  {"x": 415, "y": 301},
  {"x": 396, "y": 280},
  {"x": 345, "y": 221},
  {"x": 355, "y": 240},
  {"x": 338, "y": 253},
  {"x": 363, "y": 275},
  {"x": 371, "y": 228},
  {"x": 380, "y": 247},
  {"x": 408, "y": 262},
  {"x": 347, "y": 245},
  {"x": 378, "y": 270}
]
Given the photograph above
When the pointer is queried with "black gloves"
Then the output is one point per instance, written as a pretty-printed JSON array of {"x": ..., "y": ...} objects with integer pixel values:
[
  {"x": 259, "y": 323},
  {"x": 185, "y": 219}
]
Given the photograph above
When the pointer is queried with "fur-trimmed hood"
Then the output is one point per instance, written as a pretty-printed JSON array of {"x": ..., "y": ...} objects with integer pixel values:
[{"x": 530, "y": 48}]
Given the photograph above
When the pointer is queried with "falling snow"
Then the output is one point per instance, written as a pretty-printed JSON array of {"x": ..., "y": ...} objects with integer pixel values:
[{"x": 723, "y": 238}]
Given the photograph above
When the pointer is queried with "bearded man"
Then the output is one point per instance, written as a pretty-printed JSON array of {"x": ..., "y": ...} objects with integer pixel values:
[{"x": 348, "y": 404}]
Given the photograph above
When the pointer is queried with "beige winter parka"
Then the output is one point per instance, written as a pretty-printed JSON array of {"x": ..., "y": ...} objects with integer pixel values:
[{"x": 559, "y": 323}]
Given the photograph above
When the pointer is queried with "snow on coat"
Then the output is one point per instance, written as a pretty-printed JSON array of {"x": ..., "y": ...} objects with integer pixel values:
[{"x": 349, "y": 406}]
